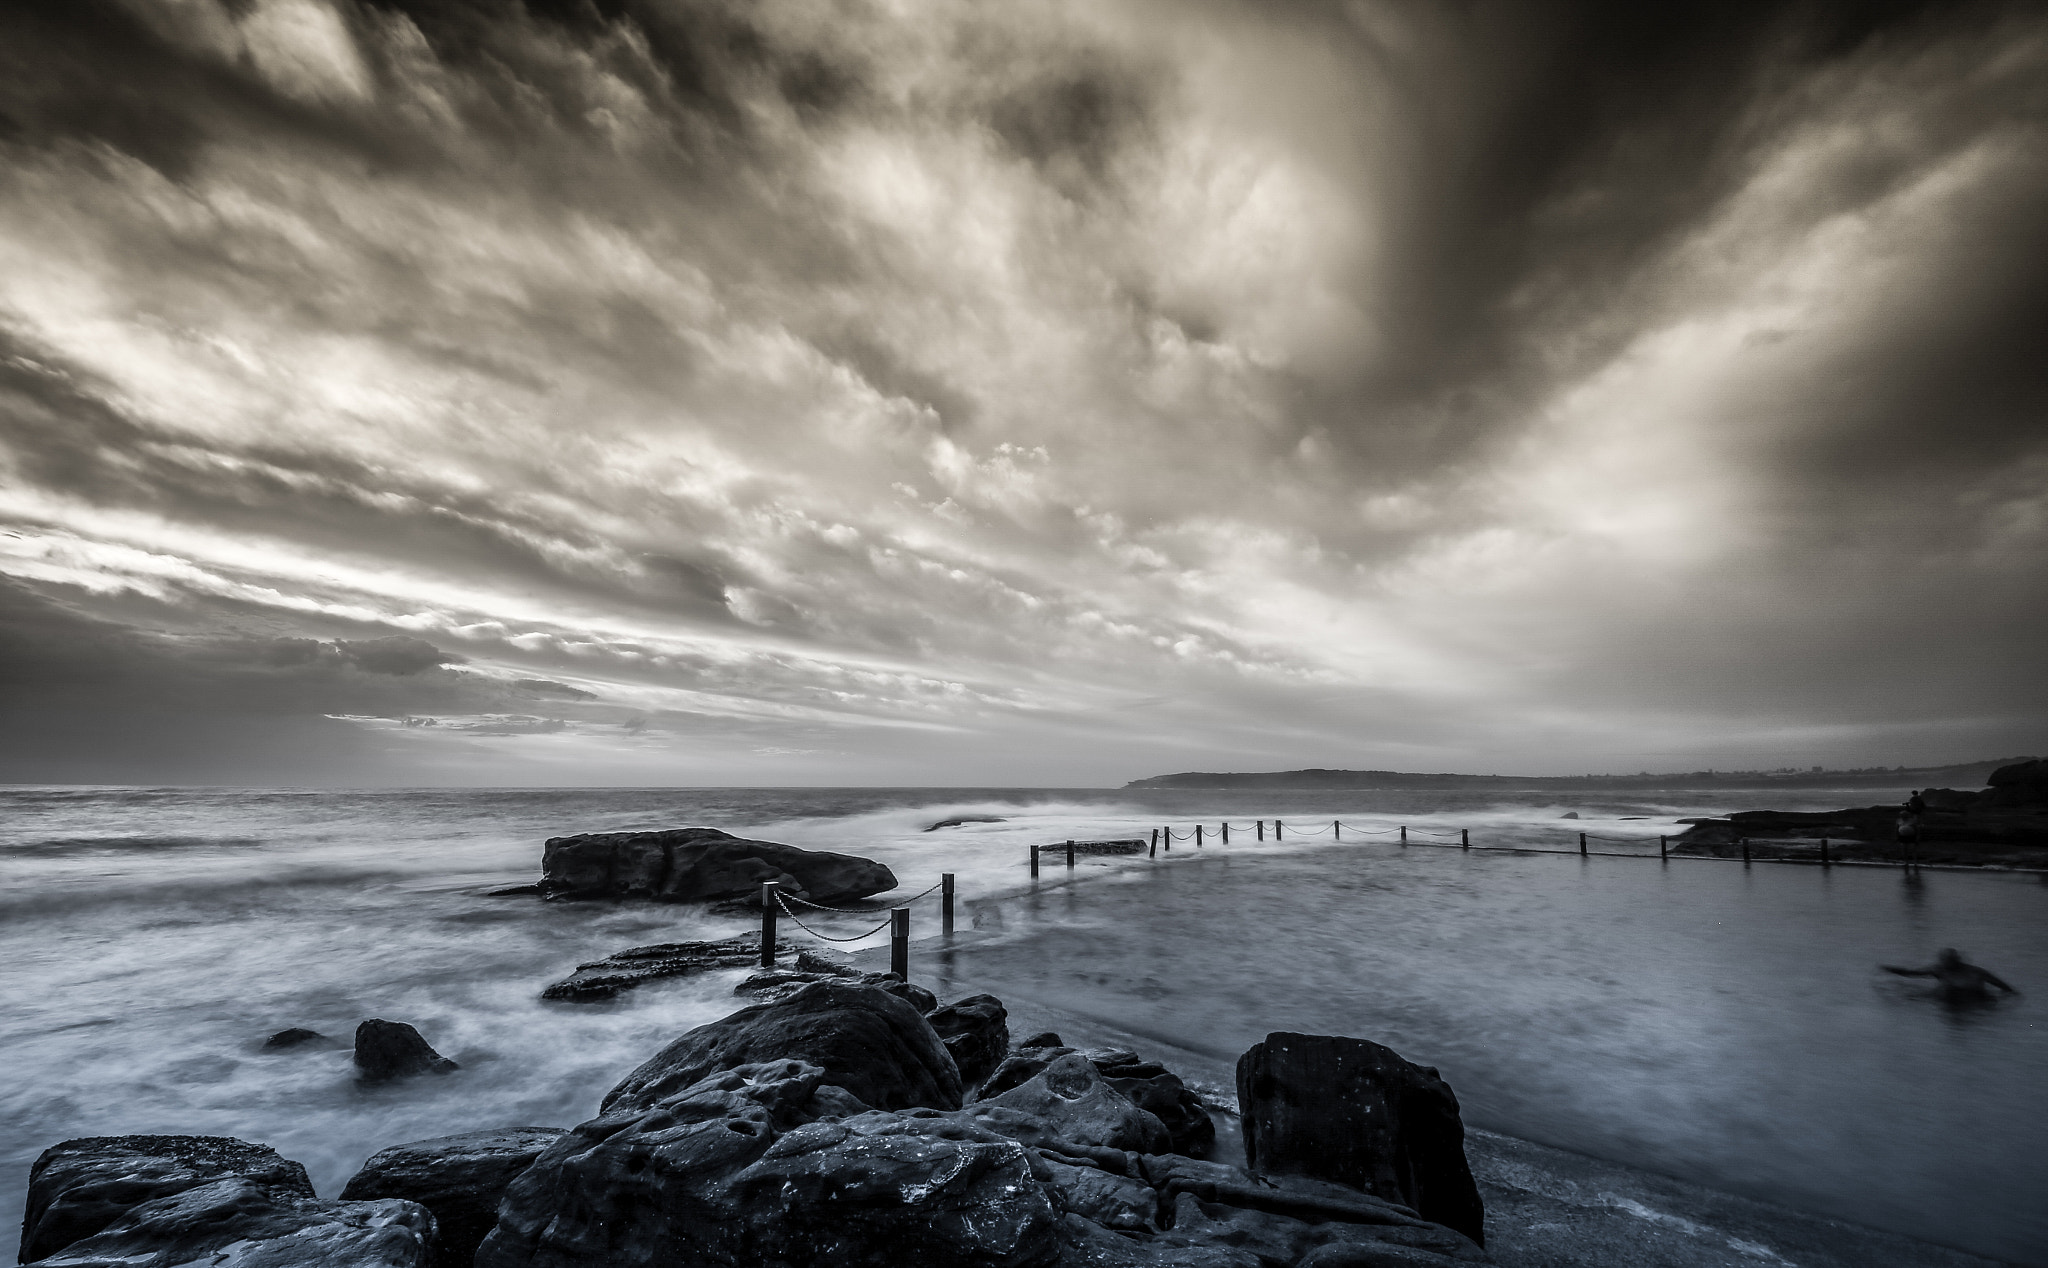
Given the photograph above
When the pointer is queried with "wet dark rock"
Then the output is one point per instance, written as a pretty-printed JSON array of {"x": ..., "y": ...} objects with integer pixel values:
[
  {"x": 774, "y": 984},
  {"x": 869, "y": 1042},
  {"x": 297, "y": 1037},
  {"x": 1147, "y": 1084},
  {"x": 700, "y": 865},
  {"x": 1160, "y": 1093},
  {"x": 957, "y": 820},
  {"x": 976, "y": 1030},
  {"x": 1043, "y": 1039},
  {"x": 1569, "y": 814},
  {"x": 393, "y": 1050},
  {"x": 458, "y": 1178},
  {"x": 1287, "y": 1219},
  {"x": 80, "y": 1186},
  {"x": 528, "y": 890},
  {"x": 237, "y": 1222},
  {"x": 1069, "y": 1102},
  {"x": 740, "y": 1168},
  {"x": 621, "y": 971},
  {"x": 1355, "y": 1113}
]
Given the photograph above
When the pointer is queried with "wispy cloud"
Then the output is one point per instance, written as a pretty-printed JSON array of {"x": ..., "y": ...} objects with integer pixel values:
[{"x": 900, "y": 395}]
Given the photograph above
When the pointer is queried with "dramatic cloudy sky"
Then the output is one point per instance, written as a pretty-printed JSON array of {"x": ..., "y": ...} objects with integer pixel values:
[{"x": 942, "y": 391}]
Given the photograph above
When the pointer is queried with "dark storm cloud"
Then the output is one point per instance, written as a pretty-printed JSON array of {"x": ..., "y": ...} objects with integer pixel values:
[{"x": 813, "y": 377}]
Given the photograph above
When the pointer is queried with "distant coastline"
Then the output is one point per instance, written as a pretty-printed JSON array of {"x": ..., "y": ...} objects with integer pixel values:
[{"x": 1962, "y": 775}]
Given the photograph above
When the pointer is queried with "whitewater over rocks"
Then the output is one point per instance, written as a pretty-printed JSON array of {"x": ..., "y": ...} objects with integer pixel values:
[{"x": 837, "y": 1122}]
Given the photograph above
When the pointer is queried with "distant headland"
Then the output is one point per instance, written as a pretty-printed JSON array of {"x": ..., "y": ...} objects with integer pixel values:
[{"x": 1966, "y": 774}]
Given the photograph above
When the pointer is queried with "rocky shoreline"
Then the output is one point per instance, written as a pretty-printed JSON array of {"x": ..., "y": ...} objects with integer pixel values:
[
  {"x": 2003, "y": 825},
  {"x": 842, "y": 1120}
]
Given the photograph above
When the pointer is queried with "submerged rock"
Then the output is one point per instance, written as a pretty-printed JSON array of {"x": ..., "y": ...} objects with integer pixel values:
[
  {"x": 80, "y": 1186},
  {"x": 621, "y": 971},
  {"x": 957, "y": 820},
  {"x": 247, "y": 1225},
  {"x": 1356, "y": 1113},
  {"x": 458, "y": 1178},
  {"x": 297, "y": 1037},
  {"x": 388, "y": 1050},
  {"x": 868, "y": 1042},
  {"x": 698, "y": 865},
  {"x": 1132, "y": 845},
  {"x": 976, "y": 1030}
]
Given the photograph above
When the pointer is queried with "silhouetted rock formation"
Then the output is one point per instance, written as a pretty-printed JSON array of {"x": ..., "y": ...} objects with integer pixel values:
[
  {"x": 2021, "y": 784},
  {"x": 393, "y": 1050},
  {"x": 458, "y": 1178},
  {"x": 1356, "y": 1113},
  {"x": 700, "y": 864},
  {"x": 297, "y": 1037},
  {"x": 79, "y": 1187},
  {"x": 867, "y": 1041}
]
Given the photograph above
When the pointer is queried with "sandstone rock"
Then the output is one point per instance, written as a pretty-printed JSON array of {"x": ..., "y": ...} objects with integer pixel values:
[
  {"x": 976, "y": 1030},
  {"x": 872, "y": 1044},
  {"x": 700, "y": 864},
  {"x": 458, "y": 1178},
  {"x": 238, "y": 1222},
  {"x": 1356, "y": 1113},
  {"x": 81, "y": 1186},
  {"x": 736, "y": 1170},
  {"x": 1069, "y": 1102},
  {"x": 393, "y": 1050},
  {"x": 297, "y": 1037},
  {"x": 623, "y": 970}
]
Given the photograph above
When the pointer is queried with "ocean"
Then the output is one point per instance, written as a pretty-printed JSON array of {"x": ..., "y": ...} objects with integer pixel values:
[{"x": 1721, "y": 1024}]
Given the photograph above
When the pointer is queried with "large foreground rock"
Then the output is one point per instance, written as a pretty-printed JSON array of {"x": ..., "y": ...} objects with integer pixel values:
[
  {"x": 700, "y": 864},
  {"x": 752, "y": 1168},
  {"x": 81, "y": 1186},
  {"x": 1070, "y": 1102},
  {"x": 236, "y": 1223},
  {"x": 868, "y": 1042},
  {"x": 458, "y": 1178},
  {"x": 1354, "y": 1112},
  {"x": 2020, "y": 784}
]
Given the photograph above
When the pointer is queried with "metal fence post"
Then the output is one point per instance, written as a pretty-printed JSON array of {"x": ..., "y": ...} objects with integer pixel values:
[
  {"x": 1276, "y": 829},
  {"x": 946, "y": 906},
  {"x": 1166, "y": 837},
  {"x": 1155, "y": 845},
  {"x": 1663, "y": 847},
  {"x": 1262, "y": 829},
  {"x": 1226, "y": 832},
  {"x": 899, "y": 942},
  {"x": 1034, "y": 861},
  {"x": 1582, "y": 844},
  {"x": 1464, "y": 838},
  {"x": 769, "y": 890},
  {"x": 1070, "y": 852},
  {"x": 1336, "y": 829},
  {"x": 1198, "y": 836},
  {"x": 1404, "y": 834}
]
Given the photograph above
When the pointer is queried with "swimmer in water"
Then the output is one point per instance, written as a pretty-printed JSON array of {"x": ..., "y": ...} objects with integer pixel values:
[{"x": 1958, "y": 978}]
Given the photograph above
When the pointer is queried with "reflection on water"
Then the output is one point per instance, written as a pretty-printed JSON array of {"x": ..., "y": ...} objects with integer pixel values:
[
  {"x": 1721, "y": 1024},
  {"x": 1712, "y": 1021}
]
